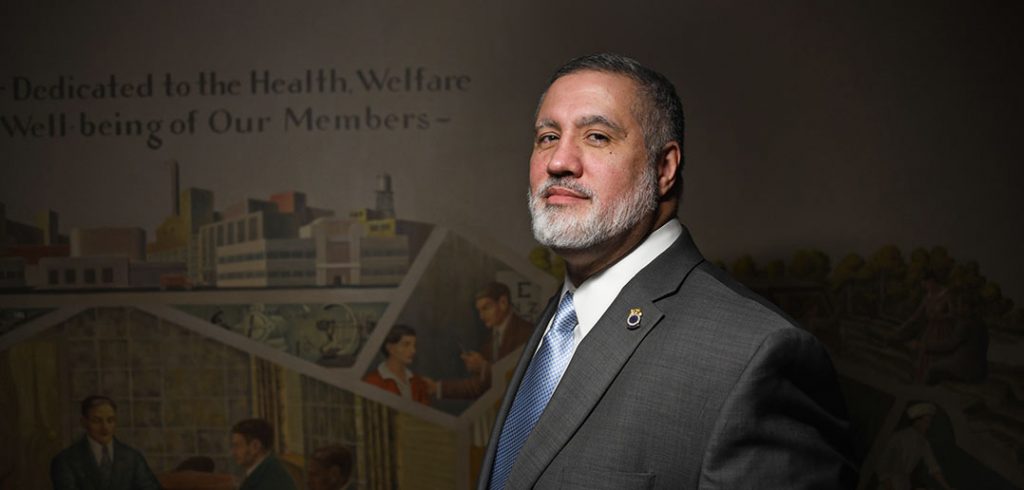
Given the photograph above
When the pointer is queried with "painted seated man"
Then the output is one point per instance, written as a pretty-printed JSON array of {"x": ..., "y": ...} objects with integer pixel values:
[
  {"x": 99, "y": 460},
  {"x": 252, "y": 441}
]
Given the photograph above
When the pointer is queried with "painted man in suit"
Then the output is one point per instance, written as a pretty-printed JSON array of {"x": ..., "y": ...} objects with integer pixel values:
[
  {"x": 251, "y": 444},
  {"x": 651, "y": 368},
  {"x": 506, "y": 332},
  {"x": 99, "y": 461}
]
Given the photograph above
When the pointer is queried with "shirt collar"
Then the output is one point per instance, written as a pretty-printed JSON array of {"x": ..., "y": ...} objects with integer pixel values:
[
  {"x": 592, "y": 298},
  {"x": 260, "y": 461},
  {"x": 499, "y": 329},
  {"x": 97, "y": 449},
  {"x": 386, "y": 373}
]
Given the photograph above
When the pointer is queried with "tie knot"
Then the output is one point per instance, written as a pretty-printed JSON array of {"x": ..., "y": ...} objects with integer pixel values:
[{"x": 565, "y": 317}]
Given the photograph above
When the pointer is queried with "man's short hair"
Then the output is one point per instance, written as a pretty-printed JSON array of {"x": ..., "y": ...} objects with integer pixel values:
[
  {"x": 660, "y": 112},
  {"x": 94, "y": 401},
  {"x": 334, "y": 455},
  {"x": 257, "y": 429},
  {"x": 394, "y": 336},
  {"x": 493, "y": 290}
]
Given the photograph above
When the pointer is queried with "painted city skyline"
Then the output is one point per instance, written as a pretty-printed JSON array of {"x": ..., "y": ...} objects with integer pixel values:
[{"x": 280, "y": 241}]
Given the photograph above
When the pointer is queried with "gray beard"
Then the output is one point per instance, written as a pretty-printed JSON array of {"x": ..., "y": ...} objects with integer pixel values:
[{"x": 556, "y": 227}]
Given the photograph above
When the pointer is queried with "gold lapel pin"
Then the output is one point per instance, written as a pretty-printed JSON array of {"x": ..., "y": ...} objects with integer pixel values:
[{"x": 633, "y": 320}]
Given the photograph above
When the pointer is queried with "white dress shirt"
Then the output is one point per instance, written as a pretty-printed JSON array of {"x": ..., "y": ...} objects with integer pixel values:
[
  {"x": 97, "y": 450},
  {"x": 404, "y": 385},
  {"x": 592, "y": 298}
]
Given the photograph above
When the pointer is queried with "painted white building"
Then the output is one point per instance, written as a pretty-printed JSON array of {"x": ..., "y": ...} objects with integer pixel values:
[
  {"x": 267, "y": 263},
  {"x": 353, "y": 252}
]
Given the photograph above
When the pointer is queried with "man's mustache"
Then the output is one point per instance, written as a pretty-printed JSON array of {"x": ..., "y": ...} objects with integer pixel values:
[{"x": 565, "y": 183}]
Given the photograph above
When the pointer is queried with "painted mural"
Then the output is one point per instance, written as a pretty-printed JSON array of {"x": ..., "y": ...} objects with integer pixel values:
[
  {"x": 270, "y": 311},
  {"x": 310, "y": 222}
]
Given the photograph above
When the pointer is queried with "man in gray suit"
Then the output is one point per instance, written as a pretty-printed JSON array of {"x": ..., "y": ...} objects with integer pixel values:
[{"x": 651, "y": 368}]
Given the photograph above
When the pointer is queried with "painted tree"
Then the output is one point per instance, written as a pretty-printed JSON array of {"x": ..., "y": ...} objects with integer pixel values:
[
  {"x": 940, "y": 263},
  {"x": 744, "y": 268},
  {"x": 775, "y": 269},
  {"x": 811, "y": 265},
  {"x": 994, "y": 305},
  {"x": 966, "y": 282},
  {"x": 846, "y": 275},
  {"x": 887, "y": 267}
]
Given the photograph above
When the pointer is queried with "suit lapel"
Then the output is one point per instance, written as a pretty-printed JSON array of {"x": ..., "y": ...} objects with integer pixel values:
[
  {"x": 598, "y": 360},
  {"x": 119, "y": 468},
  {"x": 88, "y": 461},
  {"x": 256, "y": 475}
]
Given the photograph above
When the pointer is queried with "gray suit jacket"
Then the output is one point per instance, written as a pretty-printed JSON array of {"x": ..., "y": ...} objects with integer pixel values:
[{"x": 714, "y": 389}]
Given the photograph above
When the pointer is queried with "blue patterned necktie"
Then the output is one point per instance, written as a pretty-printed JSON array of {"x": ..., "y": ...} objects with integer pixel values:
[{"x": 538, "y": 384}]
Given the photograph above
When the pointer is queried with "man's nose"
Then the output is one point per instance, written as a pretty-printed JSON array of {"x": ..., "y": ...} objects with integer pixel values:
[{"x": 565, "y": 160}]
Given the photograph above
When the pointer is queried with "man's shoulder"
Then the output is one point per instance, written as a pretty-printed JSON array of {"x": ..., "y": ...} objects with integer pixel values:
[
  {"x": 373, "y": 377},
  {"x": 714, "y": 305},
  {"x": 714, "y": 290},
  {"x": 271, "y": 474},
  {"x": 518, "y": 324},
  {"x": 77, "y": 450}
]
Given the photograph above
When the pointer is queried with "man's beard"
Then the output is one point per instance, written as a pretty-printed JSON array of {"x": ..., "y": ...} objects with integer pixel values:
[{"x": 557, "y": 227}]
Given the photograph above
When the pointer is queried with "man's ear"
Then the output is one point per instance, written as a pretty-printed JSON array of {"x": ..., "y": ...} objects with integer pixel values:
[
  {"x": 503, "y": 302},
  {"x": 667, "y": 168}
]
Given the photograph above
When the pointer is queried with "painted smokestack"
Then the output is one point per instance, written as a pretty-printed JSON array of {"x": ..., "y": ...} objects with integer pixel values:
[
  {"x": 385, "y": 198},
  {"x": 173, "y": 164}
]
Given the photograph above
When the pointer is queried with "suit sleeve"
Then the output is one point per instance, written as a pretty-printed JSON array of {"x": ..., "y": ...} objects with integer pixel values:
[
  {"x": 783, "y": 424},
  {"x": 467, "y": 388},
  {"x": 143, "y": 477},
  {"x": 61, "y": 475}
]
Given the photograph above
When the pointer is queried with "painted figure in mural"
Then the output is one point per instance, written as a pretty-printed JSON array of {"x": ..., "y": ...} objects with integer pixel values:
[
  {"x": 962, "y": 355},
  {"x": 507, "y": 331},
  {"x": 393, "y": 374},
  {"x": 651, "y": 367},
  {"x": 330, "y": 468},
  {"x": 99, "y": 461},
  {"x": 936, "y": 309},
  {"x": 907, "y": 448},
  {"x": 252, "y": 441}
]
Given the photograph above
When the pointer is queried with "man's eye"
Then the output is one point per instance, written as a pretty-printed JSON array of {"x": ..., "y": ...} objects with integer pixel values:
[
  {"x": 598, "y": 137},
  {"x": 546, "y": 138}
]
